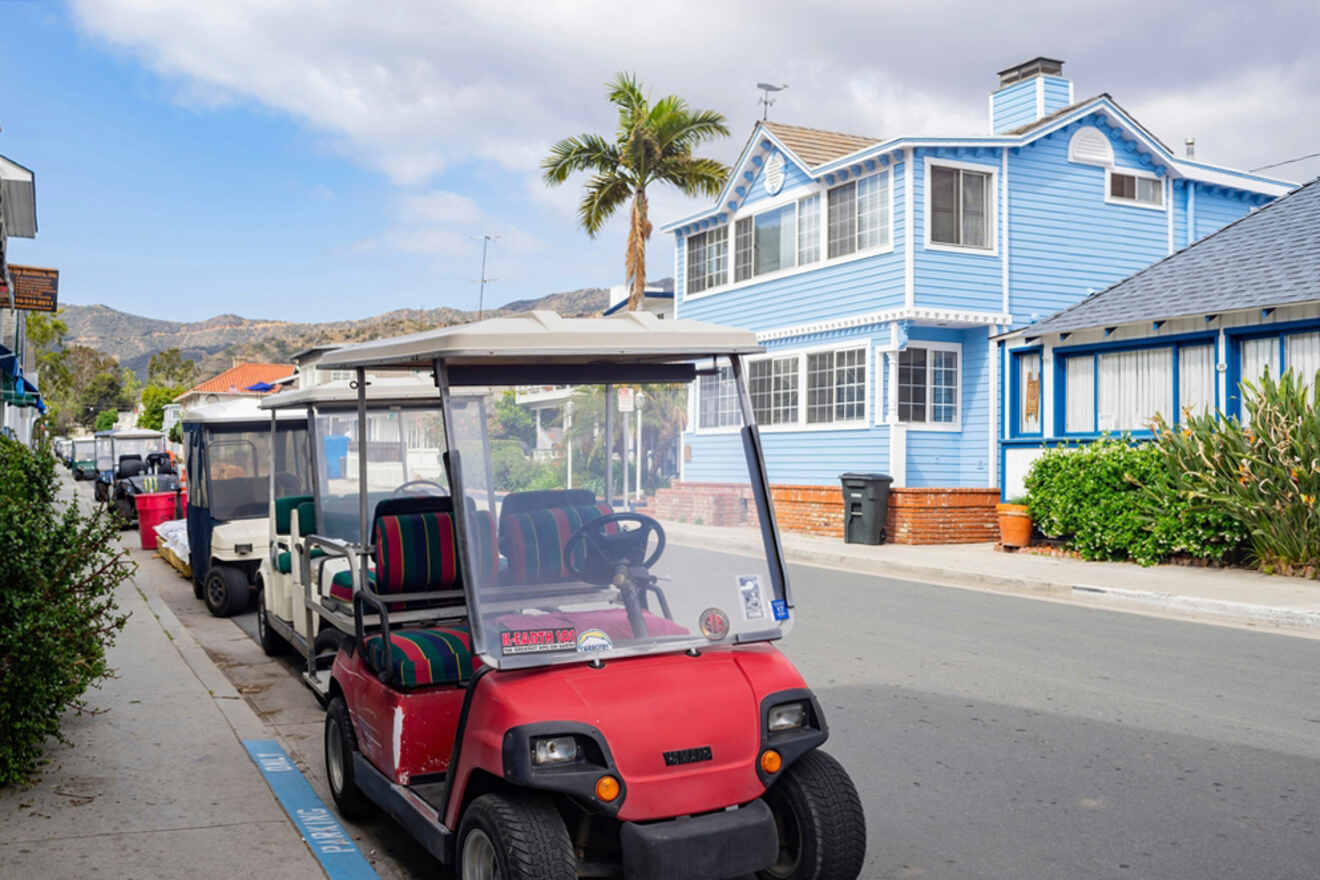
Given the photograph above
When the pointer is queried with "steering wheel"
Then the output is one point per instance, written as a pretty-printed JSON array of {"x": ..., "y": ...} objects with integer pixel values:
[
  {"x": 616, "y": 559},
  {"x": 417, "y": 483}
]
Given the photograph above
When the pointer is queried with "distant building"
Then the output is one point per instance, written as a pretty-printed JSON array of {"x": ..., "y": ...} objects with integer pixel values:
[
  {"x": 876, "y": 270},
  {"x": 658, "y": 298},
  {"x": 238, "y": 381}
]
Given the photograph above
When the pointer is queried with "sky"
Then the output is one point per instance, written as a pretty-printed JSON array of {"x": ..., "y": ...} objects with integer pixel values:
[{"x": 330, "y": 160}]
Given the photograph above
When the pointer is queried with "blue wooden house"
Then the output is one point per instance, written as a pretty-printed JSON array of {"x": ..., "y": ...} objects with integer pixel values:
[
  {"x": 1178, "y": 337},
  {"x": 877, "y": 270}
]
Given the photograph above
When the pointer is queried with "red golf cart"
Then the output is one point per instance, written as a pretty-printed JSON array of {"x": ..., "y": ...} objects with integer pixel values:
[{"x": 547, "y": 680}]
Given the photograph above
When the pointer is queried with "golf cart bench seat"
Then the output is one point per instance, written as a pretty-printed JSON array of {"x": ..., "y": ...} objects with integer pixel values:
[
  {"x": 533, "y": 539},
  {"x": 284, "y": 561},
  {"x": 284, "y": 510},
  {"x": 422, "y": 657}
]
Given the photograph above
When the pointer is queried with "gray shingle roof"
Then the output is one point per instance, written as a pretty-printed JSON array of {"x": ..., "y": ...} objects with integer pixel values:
[{"x": 1270, "y": 257}]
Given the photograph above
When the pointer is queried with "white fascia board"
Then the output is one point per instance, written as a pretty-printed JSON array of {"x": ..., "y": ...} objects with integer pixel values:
[
  {"x": 11, "y": 170},
  {"x": 951, "y": 317}
]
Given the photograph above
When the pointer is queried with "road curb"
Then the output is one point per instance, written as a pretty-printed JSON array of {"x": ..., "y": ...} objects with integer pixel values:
[{"x": 1291, "y": 618}]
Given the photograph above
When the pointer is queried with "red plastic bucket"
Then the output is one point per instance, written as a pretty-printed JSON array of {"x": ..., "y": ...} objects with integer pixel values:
[{"x": 153, "y": 509}]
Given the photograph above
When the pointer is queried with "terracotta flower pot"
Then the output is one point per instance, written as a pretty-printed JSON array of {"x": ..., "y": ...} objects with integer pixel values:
[{"x": 1014, "y": 525}]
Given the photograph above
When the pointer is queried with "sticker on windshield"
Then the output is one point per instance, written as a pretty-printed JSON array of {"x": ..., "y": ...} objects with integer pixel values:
[
  {"x": 780, "y": 608},
  {"x": 538, "y": 641},
  {"x": 749, "y": 589},
  {"x": 594, "y": 641},
  {"x": 714, "y": 624}
]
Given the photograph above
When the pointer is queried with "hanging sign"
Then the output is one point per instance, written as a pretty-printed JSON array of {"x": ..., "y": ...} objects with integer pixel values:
[
  {"x": 35, "y": 289},
  {"x": 626, "y": 400}
]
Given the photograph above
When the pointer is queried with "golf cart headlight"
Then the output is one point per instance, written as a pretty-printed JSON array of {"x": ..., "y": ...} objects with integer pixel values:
[
  {"x": 242, "y": 548},
  {"x": 788, "y": 716},
  {"x": 547, "y": 750}
]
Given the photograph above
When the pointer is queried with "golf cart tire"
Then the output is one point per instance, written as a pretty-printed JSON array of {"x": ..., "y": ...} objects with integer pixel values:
[
  {"x": 272, "y": 643},
  {"x": 325, "y": 646},
  {"x": 819, "y": 796},
  {"x": 226, "y": 591},
  {"x": 529, "y": 837},
  {"x": 349, "y": 799}
]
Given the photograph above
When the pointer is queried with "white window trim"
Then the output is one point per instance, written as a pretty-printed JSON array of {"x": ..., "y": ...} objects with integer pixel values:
[
  {"x": 780, "y": 201},
  {"x": 943, "y": 427},
  {"x": 991, "y": 208},
  {"x": 694, "y": 407},
  {"x": 1134, "y": 203}
]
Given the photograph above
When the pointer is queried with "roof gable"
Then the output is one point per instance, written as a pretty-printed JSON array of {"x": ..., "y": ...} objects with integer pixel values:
[{"x": 1269, "y": 258}]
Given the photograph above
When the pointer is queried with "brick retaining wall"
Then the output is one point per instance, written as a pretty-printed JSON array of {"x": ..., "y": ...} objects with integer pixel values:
[{"x": 916, "y": 516}]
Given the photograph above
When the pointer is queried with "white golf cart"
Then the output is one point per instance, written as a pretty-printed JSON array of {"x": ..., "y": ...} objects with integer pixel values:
[
  {"x": 306, "y": 599},
  {"x": 232, "y": 466},
  {"x": 124, "y": 453},
  {"x": 82, "y": 457}
]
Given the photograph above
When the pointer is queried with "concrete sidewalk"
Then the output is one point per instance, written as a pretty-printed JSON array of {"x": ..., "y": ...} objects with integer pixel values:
[
  {"x": 155, "y": 781},
  {"x": 1231, "y": 596}
]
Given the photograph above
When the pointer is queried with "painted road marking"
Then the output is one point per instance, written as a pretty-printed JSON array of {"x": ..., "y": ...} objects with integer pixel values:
[{"x": 327, "y": 839}]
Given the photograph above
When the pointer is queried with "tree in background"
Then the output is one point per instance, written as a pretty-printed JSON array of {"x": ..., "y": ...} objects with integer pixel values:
[
  {"x": 154, "y": 400},
  {"x": 105, "y": 420},
  {"x": 169, "y": 368},
  {"x": 652, "y": 144},
  {"x": 509, "y": 420},
  {"x": 46, "y": 333},
  {"x": 104, "y": 393}
]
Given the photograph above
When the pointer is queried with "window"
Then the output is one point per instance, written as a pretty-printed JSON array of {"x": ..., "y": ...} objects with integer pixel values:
[
  {"x": 1079, "y": 409},
  {"x": 809, "y": 229},
  {"x": 859, "y": 215},
  {"x": 928, "y": 386},
  {"x": 776, "y": 240},
  {"x": 1278, "y": 353},
  {"x": 707, "y": 253},
  {"x": 836, "y": 386},
  {"x": 1133, "y": 188},
  {"x": 1124, "y": 390},
  {"x": 1133, "y": 387},
  {"x": 1028, "y": 392},
  {"x": 773, "y": 383},
  {"x": 717, "y": 397},
  {"x": 960, "y": 207},
  {"x": 742, "y": 249},
  {"x": 1301, "y": 354},
  {"x": 1196, "y": 379}
]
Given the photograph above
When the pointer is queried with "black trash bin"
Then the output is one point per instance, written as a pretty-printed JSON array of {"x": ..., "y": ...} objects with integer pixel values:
[{"x": 865, "y": 504}]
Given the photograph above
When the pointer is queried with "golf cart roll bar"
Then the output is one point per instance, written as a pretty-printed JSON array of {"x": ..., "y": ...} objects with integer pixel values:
[{"x": 366, "y": 596}]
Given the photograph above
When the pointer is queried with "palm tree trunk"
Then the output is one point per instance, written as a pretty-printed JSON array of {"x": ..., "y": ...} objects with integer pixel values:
[{"x": 638, "y": 233}]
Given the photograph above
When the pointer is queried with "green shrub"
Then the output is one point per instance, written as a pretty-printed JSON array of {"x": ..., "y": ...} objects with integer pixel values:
[
  {"x": 59, "y": 568},
  {"x": 105, "y": 420},
  {"x": 1115, "y": 500},
  {"x": 1264, "y": 474},
  {"x": 514, "y": 470}
]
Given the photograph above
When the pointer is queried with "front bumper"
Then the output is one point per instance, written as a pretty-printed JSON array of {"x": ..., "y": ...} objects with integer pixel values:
[{"x": 724, "y": 844}]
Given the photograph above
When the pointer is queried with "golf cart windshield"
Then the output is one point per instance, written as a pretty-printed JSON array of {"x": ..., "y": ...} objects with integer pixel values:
[
  {"x": 582, "y": 540},
  {"x": 404, "y": 457},
  {"x": 238, "y": 462},
  {"x": 84, "y": 450}
]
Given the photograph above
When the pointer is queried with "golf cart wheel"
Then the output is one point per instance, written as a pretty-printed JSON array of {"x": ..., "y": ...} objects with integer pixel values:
[
  {"x": 822, "y": 829},
  {"x": 514, "y": 838},
  {"x": 325, "y": 646},
  {"x": 226, "y": 590},
  {"x": 340, "y": 746},
  {"x": 271, "y": 642}
]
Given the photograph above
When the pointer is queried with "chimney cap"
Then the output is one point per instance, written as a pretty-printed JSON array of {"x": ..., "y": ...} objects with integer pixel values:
[{"x": 1037, "y": 65}]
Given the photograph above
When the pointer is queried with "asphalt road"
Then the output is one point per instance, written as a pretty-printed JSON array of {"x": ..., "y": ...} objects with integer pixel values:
[{"x": 1000, "y": 737}]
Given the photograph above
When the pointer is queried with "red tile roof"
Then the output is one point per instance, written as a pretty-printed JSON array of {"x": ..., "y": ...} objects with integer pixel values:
[{"x": 241, "y": 377}]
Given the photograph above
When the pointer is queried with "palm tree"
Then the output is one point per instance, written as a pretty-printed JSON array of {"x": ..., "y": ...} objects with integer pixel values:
[{"x": 653, "y": 144}]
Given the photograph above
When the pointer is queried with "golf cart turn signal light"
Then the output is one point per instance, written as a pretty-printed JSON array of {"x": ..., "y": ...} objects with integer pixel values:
[
  {"x": 607, "y": 788},
  {"x": 788, "y": 716},
  {"x": 554, "y": 750},
  {"x": 770, "y": 761}
]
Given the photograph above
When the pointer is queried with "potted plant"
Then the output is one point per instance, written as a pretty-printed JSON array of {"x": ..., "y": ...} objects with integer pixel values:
[{"x": 1014, "y": 522}]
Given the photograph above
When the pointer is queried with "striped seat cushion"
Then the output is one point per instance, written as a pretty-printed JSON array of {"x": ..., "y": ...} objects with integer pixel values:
[
  {"x": 416, "y": 552},
  {"x": 421, "y": 657},
  {"x": 341, "y": 585},
  {"x": 534, "y": 541}
]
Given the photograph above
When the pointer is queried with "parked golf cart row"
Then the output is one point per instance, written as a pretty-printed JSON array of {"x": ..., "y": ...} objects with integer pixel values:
[
  {"x": 124, "y": 464},
  {"x": 532, "y": 684}
]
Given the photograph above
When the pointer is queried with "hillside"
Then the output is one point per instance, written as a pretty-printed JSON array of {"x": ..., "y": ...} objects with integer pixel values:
[{"x": 216, "y": 342}]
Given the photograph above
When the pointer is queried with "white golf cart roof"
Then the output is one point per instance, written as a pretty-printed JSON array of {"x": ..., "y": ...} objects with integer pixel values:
[
  {"x": 239, "y": 410},
  {"x": 395, "y": 388},
  {"x": 545, "y": 337},
  {"x": 134, "y": 434}
]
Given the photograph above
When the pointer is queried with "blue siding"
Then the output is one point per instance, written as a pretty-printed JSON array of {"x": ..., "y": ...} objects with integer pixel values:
[
  {"x": 1014, "y": 105},
  {"x": 944, "y": 279},
  {"x": 1067, "y": 241},
  {"x": 1179, "y": 215},
  {"x": 1216, "y": 208},
  {"x": 1056, "y": 94},
  {"x": 844, "y": 288},
  {"x": 948, "y": 458},
  {"x": 794, "y": 177}
]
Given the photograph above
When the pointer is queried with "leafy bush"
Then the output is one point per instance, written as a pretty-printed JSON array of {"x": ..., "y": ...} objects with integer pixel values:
[
  {"x": 1115, "y": 500},
  {"x": 59, "y": 568},
  {"x": 105, "y": 420},
  {"x": 516, "y": 471},
  {"x": 1265, "y": 474}
]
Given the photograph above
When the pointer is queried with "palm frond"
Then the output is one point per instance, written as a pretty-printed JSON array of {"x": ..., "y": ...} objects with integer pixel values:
[
  {"x": 586, "y": 152},
  {"x": 681, "y": 132},
  {"x": 694, "y": 176},
  {"x": 626, "y": 94},
  {"x": 602, "y": 197}
]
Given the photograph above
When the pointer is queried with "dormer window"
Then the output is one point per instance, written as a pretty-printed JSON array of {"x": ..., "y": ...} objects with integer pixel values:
[{"x": 1138, "y": 189}]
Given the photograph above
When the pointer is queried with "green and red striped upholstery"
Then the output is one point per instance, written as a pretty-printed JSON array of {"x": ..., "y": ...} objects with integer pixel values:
[
  {"x": 341, "y": 585},
  {"x": 416, "y": 552},
  {"x": 534, "y": 540},
  {"x": 421, "y": 657}
]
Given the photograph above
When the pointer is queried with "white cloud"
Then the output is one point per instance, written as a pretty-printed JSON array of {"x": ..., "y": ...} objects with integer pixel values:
[{"x": 439, "y": 206}]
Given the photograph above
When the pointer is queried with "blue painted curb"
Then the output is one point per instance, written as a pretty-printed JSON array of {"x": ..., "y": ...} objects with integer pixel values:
[{"x": 324, "y": 836}]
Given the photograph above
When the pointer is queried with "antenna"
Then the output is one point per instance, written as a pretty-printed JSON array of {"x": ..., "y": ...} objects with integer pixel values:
[
  {"x": 765, "y": 100},
  {"x": 486, "y": 239}
]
